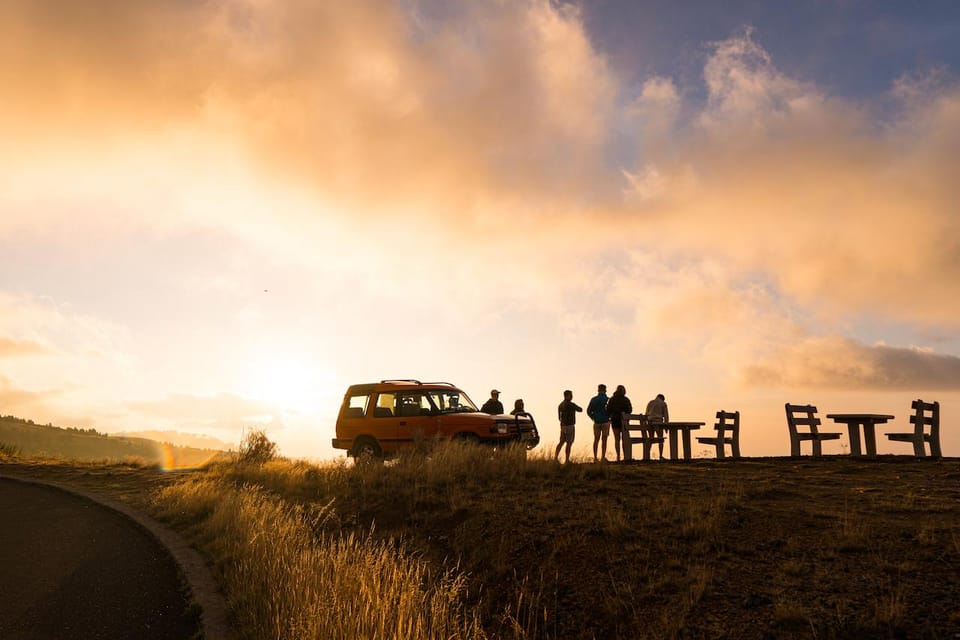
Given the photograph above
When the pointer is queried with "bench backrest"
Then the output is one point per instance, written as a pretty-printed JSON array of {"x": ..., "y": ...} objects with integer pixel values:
[
  {"x": 728, "y": 421},
  {"x": 802, "y": 415},
  {"x": 633, "y": 421},
  {"x": 926, "y": 413}
]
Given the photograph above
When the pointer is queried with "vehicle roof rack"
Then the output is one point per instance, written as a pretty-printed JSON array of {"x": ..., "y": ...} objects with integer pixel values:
[{"x": 417, "y": 382}]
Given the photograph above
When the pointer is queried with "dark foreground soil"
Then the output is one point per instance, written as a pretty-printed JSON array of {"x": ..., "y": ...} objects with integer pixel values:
[
  {"x": 772, "y": 548},
  {"x": 760, "y": 548}
]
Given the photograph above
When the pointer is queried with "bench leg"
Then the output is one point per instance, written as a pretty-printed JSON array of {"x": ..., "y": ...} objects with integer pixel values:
[
  {"x": 918, "y": 449},
  {"x": 794, "y": 447},
  {"x": 935, "y": 447},
  {"x": 817, "y": 449},
  {"x": 720, "y": 452},
  {"x": 735, "y": 448}
]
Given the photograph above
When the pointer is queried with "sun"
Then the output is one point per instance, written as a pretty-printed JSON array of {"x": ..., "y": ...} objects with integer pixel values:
[{"x": 289, "y": 383}]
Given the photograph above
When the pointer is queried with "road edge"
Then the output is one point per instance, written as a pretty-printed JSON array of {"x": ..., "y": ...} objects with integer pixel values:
[{"x": 204, "y": 590}]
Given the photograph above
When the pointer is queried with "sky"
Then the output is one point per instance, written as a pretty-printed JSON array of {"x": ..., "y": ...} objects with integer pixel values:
[{"x": 215, "y": 216}]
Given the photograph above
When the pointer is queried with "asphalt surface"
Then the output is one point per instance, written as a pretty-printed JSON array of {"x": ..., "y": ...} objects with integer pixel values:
[{"x": 71, "y": 568}]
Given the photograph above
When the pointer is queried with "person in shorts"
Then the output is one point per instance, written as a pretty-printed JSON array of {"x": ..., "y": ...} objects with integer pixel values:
[
  {"x": 597, "y": 410},
  {"x": 567, "y": 413},
  {"x": 657, "y": 413}
]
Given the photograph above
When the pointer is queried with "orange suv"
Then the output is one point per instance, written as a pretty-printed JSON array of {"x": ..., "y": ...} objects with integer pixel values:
[{"x": 378, "y": 419}]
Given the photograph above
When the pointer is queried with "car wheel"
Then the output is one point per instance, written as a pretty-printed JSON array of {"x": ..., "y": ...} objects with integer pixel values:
[{"x": 367, "y": 451}]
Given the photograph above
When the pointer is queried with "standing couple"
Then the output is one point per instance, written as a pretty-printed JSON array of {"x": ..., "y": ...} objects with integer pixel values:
[{"x": 607, "y": 413}]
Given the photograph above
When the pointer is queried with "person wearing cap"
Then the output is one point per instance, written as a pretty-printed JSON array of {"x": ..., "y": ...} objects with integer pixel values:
[{"x": 493, "y": 406}]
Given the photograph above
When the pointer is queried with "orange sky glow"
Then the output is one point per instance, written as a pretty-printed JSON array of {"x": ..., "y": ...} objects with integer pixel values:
[{"x": 218, "y": 215}]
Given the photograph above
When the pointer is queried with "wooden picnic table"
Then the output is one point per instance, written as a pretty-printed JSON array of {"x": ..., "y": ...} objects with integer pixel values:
[
  {"x": 673, "y": 428},
  {"x": 869, "y": 422}
]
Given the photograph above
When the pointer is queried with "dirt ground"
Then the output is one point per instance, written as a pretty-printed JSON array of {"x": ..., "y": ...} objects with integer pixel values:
[{"x": 771, "y": 548}]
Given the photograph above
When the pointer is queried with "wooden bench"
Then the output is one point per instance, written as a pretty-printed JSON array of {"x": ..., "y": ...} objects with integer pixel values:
[
  {"x": 805, "y": 416},
  {"x": 637, "y": 422},
  {"x": 925, "y": 413},
  {"x": 728, "y": 433}
]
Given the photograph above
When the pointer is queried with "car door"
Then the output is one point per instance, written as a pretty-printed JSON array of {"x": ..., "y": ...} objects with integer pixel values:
[
  {"x": 385, "y": 422},
  {"x": 418, "y": 419}
]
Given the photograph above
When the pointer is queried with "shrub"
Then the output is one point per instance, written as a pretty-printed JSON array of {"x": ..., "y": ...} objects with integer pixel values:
[{"x": 256, "y": 448}]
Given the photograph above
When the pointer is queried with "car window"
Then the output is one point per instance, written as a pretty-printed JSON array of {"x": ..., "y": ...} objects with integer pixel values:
[
  {"x": 386, "y": 402},
  {"x": 414, "y": 404},
  {"x": 450, "y": 401},
  {"x": 356, "y": 406}
]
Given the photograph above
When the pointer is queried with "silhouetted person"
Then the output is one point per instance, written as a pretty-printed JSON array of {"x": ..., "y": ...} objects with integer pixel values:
[
  {"x": 518, "y": 409},
  {"x": 597, "y": 410},
  {"x": 493, "y": 406},
  {"x": 617, "y": 405},
  {"x": 657, "y": 413},
  {"x": 567, "y": 412}
]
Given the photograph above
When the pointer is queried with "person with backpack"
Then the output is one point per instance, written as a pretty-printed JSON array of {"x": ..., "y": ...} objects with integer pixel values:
[{"x": 597, "y": 410}]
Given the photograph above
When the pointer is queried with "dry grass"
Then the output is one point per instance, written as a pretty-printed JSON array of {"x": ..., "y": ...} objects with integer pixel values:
[
  {"x": 287, "y": 578},
  {"x": 8, "y": 451}
]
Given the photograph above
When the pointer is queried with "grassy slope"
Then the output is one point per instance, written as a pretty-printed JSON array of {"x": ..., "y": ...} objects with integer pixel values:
[
  {"x": 753, "y": 549},
  {"x": 50, "y": 441}
]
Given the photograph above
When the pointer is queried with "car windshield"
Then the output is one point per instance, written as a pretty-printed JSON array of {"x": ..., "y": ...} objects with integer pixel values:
[{"x": 452, "y": 401}]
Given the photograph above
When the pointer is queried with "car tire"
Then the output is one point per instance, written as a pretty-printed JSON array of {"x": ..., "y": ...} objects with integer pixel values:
[{"x": 367, "y": 451}]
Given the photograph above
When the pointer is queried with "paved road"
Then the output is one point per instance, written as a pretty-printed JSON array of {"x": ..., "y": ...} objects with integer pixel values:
[{"x": 73, "y": 569}]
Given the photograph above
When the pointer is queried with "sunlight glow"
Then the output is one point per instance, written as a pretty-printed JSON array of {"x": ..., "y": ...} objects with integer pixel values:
[{"x": 290, "y": 382}]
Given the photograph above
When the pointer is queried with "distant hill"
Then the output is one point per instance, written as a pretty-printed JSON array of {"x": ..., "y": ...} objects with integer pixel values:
[
  {"x": 195, "y": 440},
  {"x": 33, "y": 439}
]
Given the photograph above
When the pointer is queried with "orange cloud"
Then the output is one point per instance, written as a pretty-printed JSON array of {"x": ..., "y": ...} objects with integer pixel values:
[
  {"x": 13, "y": 348},
  {"x": 506, "y": 99}
]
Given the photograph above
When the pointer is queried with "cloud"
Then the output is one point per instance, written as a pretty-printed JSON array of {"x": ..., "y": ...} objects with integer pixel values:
[
  {"x": 220, "y": 411},
  {"x": 12, "y": 348},
  {"x": 846, "y": 206},
  {"x": 486, "y": 101},
  {"x": 36, "y": 326},
  {"x": 843, "y": 364},
  {"x": 21, "y": 402},
  {"x": 474, "y": 143}
]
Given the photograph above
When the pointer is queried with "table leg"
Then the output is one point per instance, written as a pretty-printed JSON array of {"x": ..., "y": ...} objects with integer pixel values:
[
  {"x": 870, "y": 438},
  {"x": 686, "y": 444},
  {"x": 673, "y": 444},
  {"x": 854, "y": 430}
]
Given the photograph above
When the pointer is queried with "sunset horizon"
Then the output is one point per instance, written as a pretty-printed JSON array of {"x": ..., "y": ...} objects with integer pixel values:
[{"x": 215, "y": 217}]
